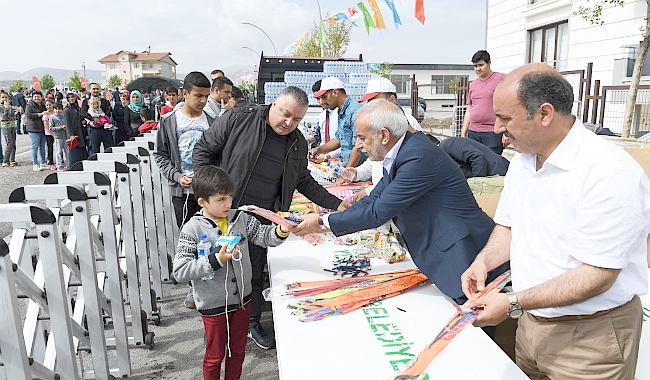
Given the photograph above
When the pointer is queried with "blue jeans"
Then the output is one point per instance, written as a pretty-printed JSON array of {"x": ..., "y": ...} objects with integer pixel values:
[
  {"x": 490, "y": 139},
  {"x": 38, "y": 146},
  {"x": 99, "y": 136}
]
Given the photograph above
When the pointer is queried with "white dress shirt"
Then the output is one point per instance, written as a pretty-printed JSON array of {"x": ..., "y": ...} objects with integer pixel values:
[
  {"x": 334, "y": 125},
  {"x": 589, "y": 203}
]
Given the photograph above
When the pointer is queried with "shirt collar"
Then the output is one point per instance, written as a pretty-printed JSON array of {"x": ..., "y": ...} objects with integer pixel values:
[
  {"x": 564, "y": 154},
  {"x": 344, "y": 107},
  {"x": 392, "y": 153}
]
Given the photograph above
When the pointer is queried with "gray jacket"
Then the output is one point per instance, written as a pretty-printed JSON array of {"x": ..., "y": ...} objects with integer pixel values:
[
  {"x": 166, "y": 155},
  {"x": 235, "y": 276},
  {"x": 56, "y": 127}
]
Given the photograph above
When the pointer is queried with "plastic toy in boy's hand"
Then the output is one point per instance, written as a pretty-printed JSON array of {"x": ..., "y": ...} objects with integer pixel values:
[{"x": 229, "y": 240}]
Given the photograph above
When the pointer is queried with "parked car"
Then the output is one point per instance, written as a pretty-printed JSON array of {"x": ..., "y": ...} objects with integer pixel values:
[{"x": 405, "y": 103}]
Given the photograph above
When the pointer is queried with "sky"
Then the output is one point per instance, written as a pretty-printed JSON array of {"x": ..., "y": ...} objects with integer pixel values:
[{"x": 204, "y": 35}]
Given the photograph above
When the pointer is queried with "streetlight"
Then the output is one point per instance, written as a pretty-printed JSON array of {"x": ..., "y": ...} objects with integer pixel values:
[
  {"x": 246, "y": 47},
  {"x": 267, "y": 36},
  {"x": 83, "y": 65}
]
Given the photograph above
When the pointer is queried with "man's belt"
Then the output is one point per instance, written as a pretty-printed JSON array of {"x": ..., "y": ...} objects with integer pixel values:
[{"x": 565, "y": 318}]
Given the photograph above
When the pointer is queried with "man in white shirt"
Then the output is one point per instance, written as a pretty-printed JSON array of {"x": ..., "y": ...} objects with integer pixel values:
[
  {"x": 573, "y": 220},
  {"x": 328, "y": 122}
]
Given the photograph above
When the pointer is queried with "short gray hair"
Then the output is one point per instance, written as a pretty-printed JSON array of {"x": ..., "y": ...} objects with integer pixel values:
[
  {"x": 385, "y": 114},
  {"x": 537, "y": 88},
  {"x": 297, "y": 94}
]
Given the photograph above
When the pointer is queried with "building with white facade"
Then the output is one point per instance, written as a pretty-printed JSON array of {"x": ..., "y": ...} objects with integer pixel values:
[
  {"x": 131, "y": 65},
  {"x": 438, "y": 98},
  {"x": 524, "y": 31}
]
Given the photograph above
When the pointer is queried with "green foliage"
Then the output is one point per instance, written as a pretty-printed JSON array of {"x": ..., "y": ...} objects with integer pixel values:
[
  {"x": 383, "y": 69},
  {"x": 17, "y": 84},
  {"x": 114, "y": 81},
  {"x": 74, "y": 82},
  {"x": 594, "y": 14},
  {"x": 47, "y": 82},
  {"x": 251, "y": 87},
  {"x": 337, "y": 39},
  {"x": 454, "y": 87}
]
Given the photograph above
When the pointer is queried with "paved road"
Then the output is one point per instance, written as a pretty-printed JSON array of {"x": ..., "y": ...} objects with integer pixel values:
[{"x": 178, "y": 347}]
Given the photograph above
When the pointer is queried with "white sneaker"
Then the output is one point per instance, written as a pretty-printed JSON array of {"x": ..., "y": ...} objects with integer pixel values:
[
  {"x": 36, "y": 168},
  {"x": 45, "y": 166}
]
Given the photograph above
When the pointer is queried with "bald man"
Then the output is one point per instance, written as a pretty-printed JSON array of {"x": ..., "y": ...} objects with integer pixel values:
[{"x": 573, "y": 220}]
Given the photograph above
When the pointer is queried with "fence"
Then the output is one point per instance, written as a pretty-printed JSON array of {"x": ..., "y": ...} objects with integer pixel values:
[{"x": 103, "y": 241}]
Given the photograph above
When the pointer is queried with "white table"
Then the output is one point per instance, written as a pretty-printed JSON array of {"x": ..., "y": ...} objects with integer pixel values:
[{"x": 350, "y": 346}]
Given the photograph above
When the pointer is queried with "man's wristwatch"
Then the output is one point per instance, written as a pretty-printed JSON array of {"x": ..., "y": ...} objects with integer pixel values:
[{"x": 515, "y": 311}]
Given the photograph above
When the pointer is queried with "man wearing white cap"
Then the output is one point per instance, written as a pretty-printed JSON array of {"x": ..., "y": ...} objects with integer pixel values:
[
  {"x": 378, "y": 88},
  {"x": 332, "y": 95},
  {"x": 328, "y": 122}
]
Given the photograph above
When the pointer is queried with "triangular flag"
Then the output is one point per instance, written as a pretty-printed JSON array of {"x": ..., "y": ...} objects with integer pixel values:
[
  {"x": 303, "y": 39},
  {"x": 367, "y": 19},
  {"x": 376, "y": 13},
  {"x": 396, "y": 18},
  {"x": 342, "y": 16},
  {"x": 331, "y": 20},
  {"x": 419, "y": 10},
  {"x": 352, "y": 11}
]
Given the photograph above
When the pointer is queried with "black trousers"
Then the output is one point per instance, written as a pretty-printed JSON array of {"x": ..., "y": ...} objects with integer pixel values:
[
  {"x": 490, "y": 139},
  {"x": 49, "y": 140},
  {"x": 258, "y": 261},
  {"x": 191, "y": 208}
]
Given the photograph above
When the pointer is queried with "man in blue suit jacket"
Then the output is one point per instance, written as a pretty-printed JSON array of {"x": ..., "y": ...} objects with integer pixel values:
[{"x": 423, "y": 191}]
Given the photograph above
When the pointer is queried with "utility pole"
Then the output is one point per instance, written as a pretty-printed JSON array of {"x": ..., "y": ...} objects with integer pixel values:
[
  {"x": 83, "y": 65},
  {"x": 320, "y": 29}
]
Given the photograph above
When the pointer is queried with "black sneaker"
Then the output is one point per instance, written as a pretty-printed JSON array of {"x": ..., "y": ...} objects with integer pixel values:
[
  {"x": 260, "y": 337},
  {"x": 189, "y": 300}
]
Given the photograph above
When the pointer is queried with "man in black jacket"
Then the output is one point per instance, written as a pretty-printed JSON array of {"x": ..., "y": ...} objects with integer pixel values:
[
  {"x": 266, "y": 157},
  {"x": 98, "y": 136}
]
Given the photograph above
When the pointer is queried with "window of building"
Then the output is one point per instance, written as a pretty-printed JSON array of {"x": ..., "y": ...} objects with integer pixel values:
[
  {"x": 402, "y": 83},
  {"x": 136, "y": 76},
  {"x": 448, "y": 83},
  {"x": 136, "y": 65},
  {"x": 111, "y": 66},
  {"x": 549, "y": 44}
]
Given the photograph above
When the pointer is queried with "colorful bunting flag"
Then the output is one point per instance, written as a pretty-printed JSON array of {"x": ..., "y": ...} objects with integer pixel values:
[
  {"x": 367, "y": 19},
  {"x": 376, "y": 14},
  {"x": 331, "y": 19},
  {"x": 323, "y": 37},
  {"x": 305, "y": 37},
  {"x": 396, "y": 18},
  {"x": 352, "y": 10},
  {"x": 342, "y": 16},
  {"x": 419, "y": 10}
]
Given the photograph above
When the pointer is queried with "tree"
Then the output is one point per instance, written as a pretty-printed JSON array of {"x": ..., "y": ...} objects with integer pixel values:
[
  {"x": 47, "y": 82},
  {"x": 17, "y": 85},
  {"x": 337, "y": 39},
  {"x": 383, "y": 69},
  {"x": 114, "y": 81},
  {"x": 75, "y": 82},
  {"x": 594, "y": 16}
]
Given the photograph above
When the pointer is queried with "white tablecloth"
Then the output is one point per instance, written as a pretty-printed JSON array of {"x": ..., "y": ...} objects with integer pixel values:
[{"x": 369, "y": 343}]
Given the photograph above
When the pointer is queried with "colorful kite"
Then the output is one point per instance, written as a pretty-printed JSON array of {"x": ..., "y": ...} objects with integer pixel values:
[{"x": 463, "y": 318}]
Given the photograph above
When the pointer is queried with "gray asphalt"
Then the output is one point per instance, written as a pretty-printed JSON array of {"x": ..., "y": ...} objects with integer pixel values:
[{"x": 178, "y": 346}]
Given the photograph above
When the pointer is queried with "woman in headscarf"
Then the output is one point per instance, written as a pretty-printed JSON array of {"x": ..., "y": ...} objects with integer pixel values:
[
  {"x": 119, "y": 113},
  {"x": 132, "y": 113}
]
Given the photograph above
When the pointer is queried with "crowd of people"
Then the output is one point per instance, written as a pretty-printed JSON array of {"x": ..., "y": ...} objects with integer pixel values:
[
  {"x": 569, "y": 200},
  {"x": 88, "y": 121}
]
